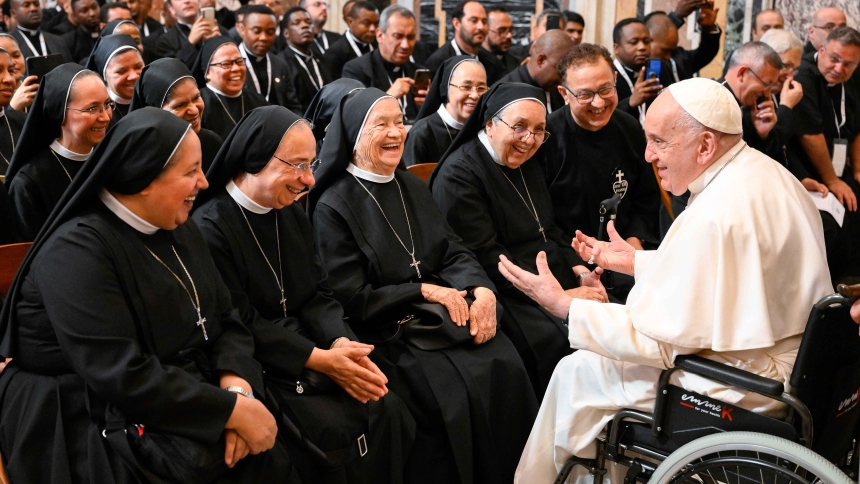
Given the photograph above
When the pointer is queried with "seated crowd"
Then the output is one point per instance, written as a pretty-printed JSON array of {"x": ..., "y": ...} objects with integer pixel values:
[{"x": 234, "y": 276}]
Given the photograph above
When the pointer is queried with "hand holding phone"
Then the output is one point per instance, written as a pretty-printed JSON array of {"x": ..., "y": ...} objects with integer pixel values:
[
  {"x": 422, "y": 81},
  {"x": 40, "y": 65}
]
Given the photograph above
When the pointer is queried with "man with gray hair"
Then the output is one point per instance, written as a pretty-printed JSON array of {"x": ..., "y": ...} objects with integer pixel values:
[
  {"x": 716, "y": 286},
  {"x": 389, "y": 67}
]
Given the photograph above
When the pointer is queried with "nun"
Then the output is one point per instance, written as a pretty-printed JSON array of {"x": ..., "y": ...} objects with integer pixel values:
[
  {"x": 220, "y": 73},
  {"x": 263, "y": 245},
  {"x": 391, "y": 258},
  {"x": 326, "y": 100},
  {"x": 67, "y": 120},
  {"x": 116, "y": 59},
  {"x": 126, "y": 27},
  {"x": 25, "y": 87},
  {"x": 458, "y": 85},
  {"x": 498, "y": 204},
  {"x": 14, "y": 120},
  {"x": 168, "y": 84},
  {"x": 141, "y": 370}
]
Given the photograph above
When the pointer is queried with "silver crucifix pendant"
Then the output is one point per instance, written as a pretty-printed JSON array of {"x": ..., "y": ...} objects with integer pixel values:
[
  {"x": 201, "y": 321},
  {"x": 415, "y": 265},
  {"x": 542, "y": 233}
]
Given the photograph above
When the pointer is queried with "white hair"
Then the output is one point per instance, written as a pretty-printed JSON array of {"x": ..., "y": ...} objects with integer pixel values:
[{"x": 782, "y": 40}]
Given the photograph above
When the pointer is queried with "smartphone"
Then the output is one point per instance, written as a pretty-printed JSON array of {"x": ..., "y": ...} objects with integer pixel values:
[
  {"x": 553, "y": 22},
  {"x": 422, "y": 81},
  {"x": 208, "y": 13},
  {"x": 652, "y": 68},
  {"x": 40, "y": 65}
]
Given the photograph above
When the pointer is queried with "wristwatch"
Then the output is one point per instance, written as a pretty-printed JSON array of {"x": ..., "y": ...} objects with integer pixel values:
[{"x": 240, "y": 391}]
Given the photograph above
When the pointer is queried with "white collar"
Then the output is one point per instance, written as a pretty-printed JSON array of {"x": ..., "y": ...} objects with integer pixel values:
[
  {"x": 245, "y": 201},
  {"x": 28, "y": 30},
  {"x": 249, "y": 54},
  {"x": 366, "y": 175},
  {"x": 2, "y": 111},
  {"x": 68, "y": 154},
  {"x": 117, "y": 98},
  {"x": 448, "y": 119},
  {"x": 126, "y": 215},
  {"x": 216, "y": 91},
  {"x": 354, "y": 38},
  {"x": 461, "y": 51},
  {"x": 183, "y": 23},
  {"x": 303, "y": 55},
  {"x": 482, "y": 135},
  {"x": 699, "y": 184}
]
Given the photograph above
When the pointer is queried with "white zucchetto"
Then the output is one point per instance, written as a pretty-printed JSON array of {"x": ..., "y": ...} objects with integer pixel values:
[{"x": 709, "y": 103}]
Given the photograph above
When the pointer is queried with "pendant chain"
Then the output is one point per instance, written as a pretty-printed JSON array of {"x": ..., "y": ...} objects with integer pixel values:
[
  {"x": 61, "y": 165},
  {"x": 279, "y": 282},
  {"x": 533, "y": 209},
  {"x": 242, "y": 97},
  {"x": 195, "y": 301}
]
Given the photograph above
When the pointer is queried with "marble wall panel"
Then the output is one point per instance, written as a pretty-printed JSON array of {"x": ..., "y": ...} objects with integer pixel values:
[{"x": 798, "y": 13}]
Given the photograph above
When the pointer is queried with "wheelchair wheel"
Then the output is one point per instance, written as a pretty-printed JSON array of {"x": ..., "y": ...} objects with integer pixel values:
[{"x": 746, "y": 458}]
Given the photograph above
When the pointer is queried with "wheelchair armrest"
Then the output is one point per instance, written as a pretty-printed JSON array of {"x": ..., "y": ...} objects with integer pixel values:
[{"x": 730, "y": 375}]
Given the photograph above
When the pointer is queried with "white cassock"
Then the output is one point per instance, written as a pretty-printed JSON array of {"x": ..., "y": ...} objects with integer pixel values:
[{"x": 733, "y": 281}]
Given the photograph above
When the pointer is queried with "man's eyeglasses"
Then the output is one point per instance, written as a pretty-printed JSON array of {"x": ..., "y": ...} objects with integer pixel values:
[
  {"x": 503, "y": 31},
  {"x": 108, "y": 106},
  {"x": 312, "y": 166},
  {"x": 480, "y": 90},
  {"x": 587, "y": 97},
  {"x": 523, "y": 134},
  {"x": 828, "y": 26},
  {"x": 320, "y": 4},
  {"x": 771, "y": 87},
  {"x": 240, "y": 62},
  {"x": 838, "y": 60}
]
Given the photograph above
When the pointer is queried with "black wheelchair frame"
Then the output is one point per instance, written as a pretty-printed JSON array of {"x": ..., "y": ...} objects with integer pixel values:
[{"x": 823, "y": 404}]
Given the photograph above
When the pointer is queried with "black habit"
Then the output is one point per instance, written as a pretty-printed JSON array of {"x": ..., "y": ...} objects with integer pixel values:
[
  {"x": 274, "y": 78},
  {"x": 14, "y": 121},
  {"x": 464, "y": 434},
  {"x": 342, "y": 52},
  {"x": 174, "y": 43},
  {"x": 505, "y": 62},
  {"x": 491, "y": 65},
  {"x": 121, "y": 345},
  {"x": 53, "y": 43},
  {"x": 222, "y": 112},
  {"x": 521, "y": 74},
  {"x": 323, "y": 105},
  {"x": 306, "y": 72},
  {"x": 80, "y": 43},
  {"x": 374, "y": 71}
]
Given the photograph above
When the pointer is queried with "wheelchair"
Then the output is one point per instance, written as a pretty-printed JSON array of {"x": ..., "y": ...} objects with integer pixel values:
[{"x": 691, "y": 438}]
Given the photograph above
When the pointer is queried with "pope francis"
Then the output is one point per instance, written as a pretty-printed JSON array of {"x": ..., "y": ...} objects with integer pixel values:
[{"x": 733, "y": 281}]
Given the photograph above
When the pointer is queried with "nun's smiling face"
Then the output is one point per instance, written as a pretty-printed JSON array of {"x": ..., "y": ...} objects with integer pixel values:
[
  {"x": 184, "y": 100},
  {"x": 168, "y": 200},
  {"x": 9, "y": 44},
  {"x": 287, "y": 174},
  {"x": 462, "y": 102},
  {"x": 8, "y": 79},
  {"x": 512, "y": 148},
  {"x": 87, "y": 114},
  {"x": 122, "y": 72},
  {"x": 380, "y": 146},
  {"x": 231, "y": 80}
]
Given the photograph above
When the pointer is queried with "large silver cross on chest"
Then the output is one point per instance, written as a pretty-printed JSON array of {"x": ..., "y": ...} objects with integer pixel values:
[
  {"x": 201, "y": 321},
  {"x": 415, "y": 265}
]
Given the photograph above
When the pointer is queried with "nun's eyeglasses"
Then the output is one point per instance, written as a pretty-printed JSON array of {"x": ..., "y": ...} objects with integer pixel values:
[
  {"x": 523, "y": 134},
  {"x": 240, "y": 62},
  {"x": 108, "y": 106},
  {"x": 587, "y": 97},
  {"x": 479, "y": 90},
  {"x": 312, "y": 166}
]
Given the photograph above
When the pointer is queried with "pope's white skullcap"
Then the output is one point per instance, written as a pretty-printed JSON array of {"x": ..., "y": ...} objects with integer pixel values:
[{"x": 709, "y": 103}]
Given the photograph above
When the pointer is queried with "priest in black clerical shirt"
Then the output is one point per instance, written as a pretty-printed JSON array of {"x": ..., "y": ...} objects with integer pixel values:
[
  {"x": 456, "y": 88},
  {"x": 540, "y": 70},
  {"x": 469, "y": 24},
  {"x": 308, "y": 73},
  {"x": 184, "y": 39},
  {"x": 31, "y": 40},
  {"x": 683, "y": 63},
  {"x": 263, "y": 245},
  {"x": 220, "y": 72},
  {"x": 124, "y": 337},
  {"x": 82, "y": 40},
  {"x": 495, "y": 198},
  {"x": 359, "y": 38},
  {"x": 323, "y": 39},
  {"x": 500, "y": 35},
  {"x": 632, "y": 47},
  {"x": 267, "y": 74},
  {"x": 388, "y": 253},
  {"x": 389, "y": 68},
  {"x": 13, "y": 119},
  {"x": 596, "y": 152}
]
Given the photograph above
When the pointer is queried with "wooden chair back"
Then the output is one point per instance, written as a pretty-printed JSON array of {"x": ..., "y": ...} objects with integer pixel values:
[
  {"x": 11, "y": 256},
  {"x": 422, "y": 170}
]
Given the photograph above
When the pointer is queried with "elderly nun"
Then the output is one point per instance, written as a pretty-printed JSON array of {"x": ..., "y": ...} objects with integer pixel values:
[
  {"x": 129, "y": 361},
  {"x": 406, "y": 282}
]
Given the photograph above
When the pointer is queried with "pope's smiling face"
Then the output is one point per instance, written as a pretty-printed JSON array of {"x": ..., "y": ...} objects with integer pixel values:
[{"x": 461, "y": 103}]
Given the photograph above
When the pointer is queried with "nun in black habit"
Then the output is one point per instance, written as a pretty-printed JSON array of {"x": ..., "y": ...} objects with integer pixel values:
[
  {"x": 435, "y": 127},
  {"x": 387, "y": 250},
  {"x": 225, "y": 104},
  {"x": 263, "y": 245},
  {"x": 168, "y": 84},
  {"x": 123, "y": 336},
  {"x": 325, "y": 102},
  {"x": 14, "y": 120},
  {"x": 68, "y": 118},
  {"x": 498, "y": 203},
  {"x": 116, "y": 59}
]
